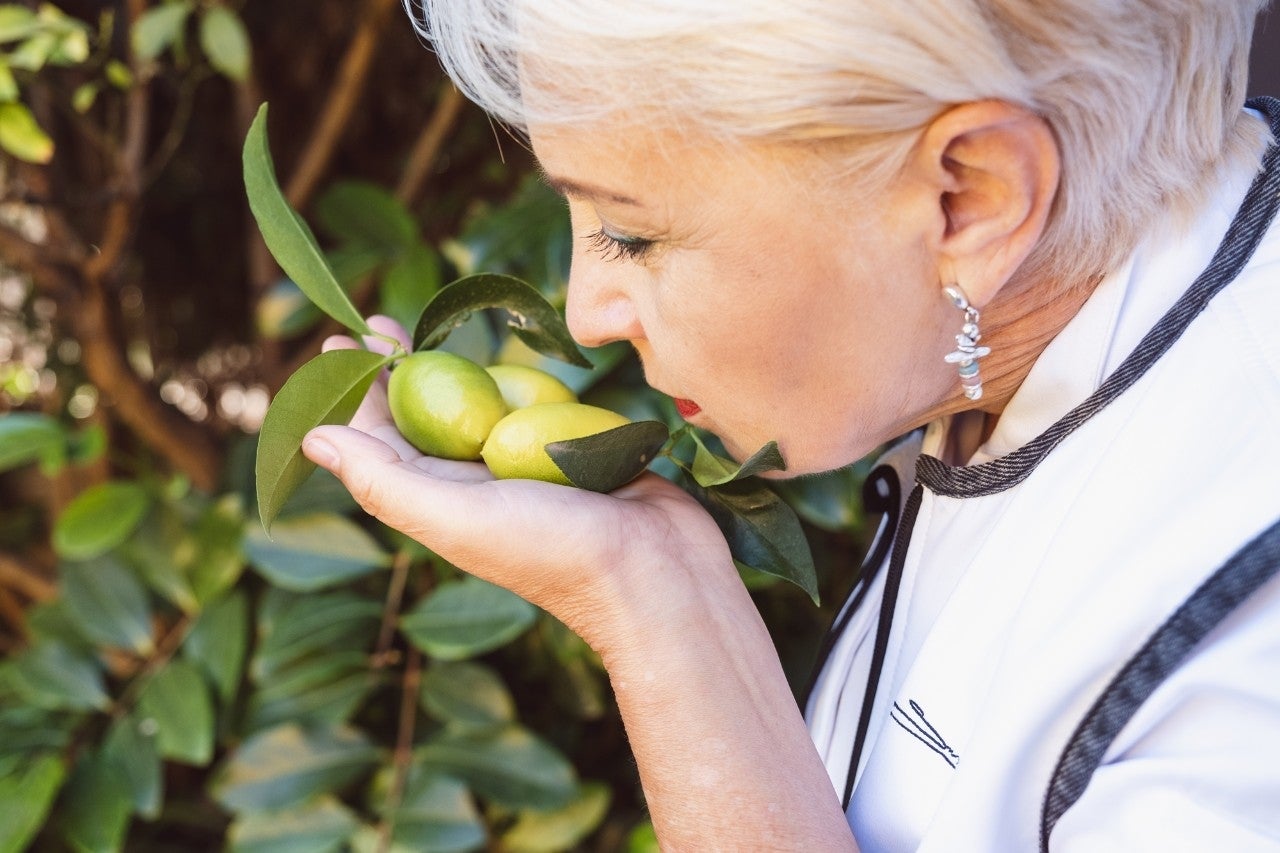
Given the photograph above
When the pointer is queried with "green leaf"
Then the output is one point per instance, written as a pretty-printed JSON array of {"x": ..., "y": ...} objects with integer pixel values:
[
  {"x": 8, "y": 85},
  {"x": 321, "y": 689},
  {"x": 22, "y": 136},
  {"x": 436, "y": 815},
  {"x": 352, "y": 262},
  {"x": 94, "y": 815},
  {"x": 509, "y": 766},
  {"x": 26, "y": 796},
  {"x": 643, "y": 839},
  {"x": 310, "y": 552},
  {"x": 712, "y": 470},
  {"x": 130, "y": 749},
  {"x": 533, "y": 319},
  {"x": 315, "y": 827},
  {"x": 17, "y": 22},
  {"x": 609, "y": 459},
  {"x": 326, "y": 390},
  {"x": 177, "y": 699},
  {"x": 109, "y": 604},
  {"x": 409, "y": 285},
  {"x": 26, "y": 729},
  {"x": 71, "y": 49},
  {"x": 288, "y": 765},
  {"x": 762, "y": 531},
  {"x": 50, "y": 675},
  {"x": 217, "y": 555},
  {"x": 465, "y": 618},
  {"x": 118, "y": 74},
  {"x": 466, "y": 694},
  {"x": 603, "y": 359},
  {"x": 219, "y": 641},
  {"x": 284, "y": 311},
  {"x": 26, "y": 437},
  {"x": 33, "y": 53},
  {"x": 366, "y": 214},
  {"x": 562, "y": 828},
  {"x": 830, "y": 501},
  {"x": 224, "y": 40},
  {"x": 158, "y": 28},
  {"x": 291, "y": 627},
  {"x": 155, "y": 553},
  {"x": 99, "y": 519},
  {"x": 288, "y": 238}
]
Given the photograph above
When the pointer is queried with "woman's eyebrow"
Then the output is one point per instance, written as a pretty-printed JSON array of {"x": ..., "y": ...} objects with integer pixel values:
[{"x": 568, "y": 187}]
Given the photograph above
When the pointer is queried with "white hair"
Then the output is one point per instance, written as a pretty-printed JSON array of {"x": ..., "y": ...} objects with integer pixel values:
[{"x": 1144, "y": 96}]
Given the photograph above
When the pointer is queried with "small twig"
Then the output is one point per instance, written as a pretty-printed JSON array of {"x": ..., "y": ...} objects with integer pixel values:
[
  {"x": 17, "y": 575},
  {"x": 427, "y": 147},
  {"x": 12, "y": 613},
  {"x": 165, "y": 650},
  {"x": 391, "y": 610},
  {"x": 342, "y": 101},
  {"x": 176, "y": 131},
  {"x": 403, "y": 756}
]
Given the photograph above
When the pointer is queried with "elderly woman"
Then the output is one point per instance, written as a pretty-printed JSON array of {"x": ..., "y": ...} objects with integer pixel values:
[{"x": 1028, "y": 246}]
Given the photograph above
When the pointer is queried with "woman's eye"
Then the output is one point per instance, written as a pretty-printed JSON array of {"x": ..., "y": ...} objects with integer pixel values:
[{"x": 616, "y": 248}]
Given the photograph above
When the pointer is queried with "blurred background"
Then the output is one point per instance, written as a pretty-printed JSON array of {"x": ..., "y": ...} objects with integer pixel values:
[{"x": 170, "y": 679}]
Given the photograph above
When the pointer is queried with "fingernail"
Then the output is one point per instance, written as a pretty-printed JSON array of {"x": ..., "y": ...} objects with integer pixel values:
[{"x": 321, "y": 452}]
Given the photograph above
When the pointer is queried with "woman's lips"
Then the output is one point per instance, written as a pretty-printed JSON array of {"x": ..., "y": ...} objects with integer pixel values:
[{"x": 687, "y": 408}]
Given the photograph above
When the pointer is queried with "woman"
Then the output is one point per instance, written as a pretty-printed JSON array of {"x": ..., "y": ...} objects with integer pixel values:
[{"x": 831, "y": 224}]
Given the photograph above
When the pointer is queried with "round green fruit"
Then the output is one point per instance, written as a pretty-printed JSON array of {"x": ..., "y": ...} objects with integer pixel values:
[
  {"x": 444, "y": 404},
  {"x": 516, "y": 448},
  {"x": 523, "y": 386}
]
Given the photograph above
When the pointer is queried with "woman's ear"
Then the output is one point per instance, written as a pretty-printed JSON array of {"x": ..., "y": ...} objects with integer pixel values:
[{"x": 995, "y": 168}]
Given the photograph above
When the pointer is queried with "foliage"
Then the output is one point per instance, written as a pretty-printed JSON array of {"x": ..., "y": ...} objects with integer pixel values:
[{"x": 172, "y": 676}]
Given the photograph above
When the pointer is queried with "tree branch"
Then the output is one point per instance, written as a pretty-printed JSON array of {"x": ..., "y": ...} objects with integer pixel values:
[
  {"x": 16, "y": 574},
  {"x": 427, "y": 148},
  {"x": 342, "y": 101}
]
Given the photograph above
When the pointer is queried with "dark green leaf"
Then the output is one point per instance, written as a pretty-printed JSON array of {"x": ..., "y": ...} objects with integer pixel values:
[
  {"x": 291, "y": 627},
  {"x": 130, "y": 749},
  {"x": 326, "y": 390},
  {"x": 319, "y": 826},
  {"x": 50, "y": 675},
  {"x": 52, "y": 621},
  {"x": 217, "y": 557},
  {"x": 310, "y": 552},
  {"x": 109, "y": 603},
  {"x": 225, "y": 42},
  {"x": 643, "y": 839},
  {"x": 289, "y": 240},
  {"x": 33, "y": 53},
  {"x": 26, "y": 436},
  {"x": 467, "y": 694},
  {"x": 831, "y": 501},
  {"x": 562, "y": 828},
  {"x": 609, "y": 459},
  {"x": 366, "y": 214},
  {"x": 26, "y": 729},
  {"x": 99, "y": 519},
  {"x": 157, "y": 28},
  {"x": 532, "y": 318},
  {"x": 409, "y": 285},
  {"x": 177, "y": 700},
  {"x": 712, "y": 470},
  {"x": 762, "y": 531},
  {"x": 509, "y": 766},
  {"x": 155, "y": 552},
  {"x": 436, "y": 815},
  {"x": 352, "y": 262},
  {"x": 322, "y": 689},
  {"x": 528, "y": 237},
  {"x": 321, "y": 492},
  {"x": 579, "y": 379},
  {"x": 284, "y": 311},
  {"x": 22, "y": 136},
  {"x": 465, "y": 618},
  {"x": 218, "y": 642},
  {"x": 288, "y": 765},
  {"x": 25, "y": 798},
  {"x": 95, "y": 807}
]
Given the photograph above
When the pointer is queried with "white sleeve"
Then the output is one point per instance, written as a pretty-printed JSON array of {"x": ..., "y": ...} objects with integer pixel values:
[{"x": 1198, "y": 767}]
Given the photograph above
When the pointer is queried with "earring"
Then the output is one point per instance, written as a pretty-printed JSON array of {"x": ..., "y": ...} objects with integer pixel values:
[{"x": 967, "y": 351}]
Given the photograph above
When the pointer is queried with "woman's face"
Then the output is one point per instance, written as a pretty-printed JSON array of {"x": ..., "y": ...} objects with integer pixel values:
[{"x": 782, "y": 304}]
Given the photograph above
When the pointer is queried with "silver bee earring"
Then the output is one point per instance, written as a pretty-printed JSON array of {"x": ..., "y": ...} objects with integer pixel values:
[{"x": 967, "y": 351}]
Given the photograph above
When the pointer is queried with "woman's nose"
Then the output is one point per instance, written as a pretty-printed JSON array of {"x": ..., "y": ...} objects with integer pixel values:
[{"x": 598, "y": 309}]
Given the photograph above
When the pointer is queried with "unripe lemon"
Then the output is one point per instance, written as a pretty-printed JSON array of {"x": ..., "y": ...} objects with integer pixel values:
[
  {"x": 444, "y": 404},
  {"x": 516, "y": 448},
  {"x": 523, "y": 386}
]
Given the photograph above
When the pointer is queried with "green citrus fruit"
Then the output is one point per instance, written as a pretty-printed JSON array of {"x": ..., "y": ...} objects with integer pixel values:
[
  {"x": 444, "y": 404},
  {"x": 516, "y": 448},
  {"x": 527, "y": 386}
]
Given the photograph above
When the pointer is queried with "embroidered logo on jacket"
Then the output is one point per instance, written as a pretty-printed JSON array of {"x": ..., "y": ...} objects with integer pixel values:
[{"x": 913, "y": 722}]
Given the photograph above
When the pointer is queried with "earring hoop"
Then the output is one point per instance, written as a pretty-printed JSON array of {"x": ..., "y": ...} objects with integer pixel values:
[{"x": 967, "y": 351}]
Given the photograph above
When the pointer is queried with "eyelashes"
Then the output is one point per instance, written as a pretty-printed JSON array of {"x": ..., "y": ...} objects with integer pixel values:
[{"x": 618, "y": 248}]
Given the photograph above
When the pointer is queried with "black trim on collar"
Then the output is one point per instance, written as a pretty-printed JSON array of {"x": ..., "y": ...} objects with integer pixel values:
[{"x": 1256, "y": 212}]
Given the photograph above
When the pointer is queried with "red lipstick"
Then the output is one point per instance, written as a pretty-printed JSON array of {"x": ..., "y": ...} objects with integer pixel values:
[{"x": 687, "y": 408}]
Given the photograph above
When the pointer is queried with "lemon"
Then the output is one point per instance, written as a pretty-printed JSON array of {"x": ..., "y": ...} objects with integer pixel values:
[
  {"x": 444, "y": 404},
  {"x": 527, "y": 386},
  {"x": 516, "y": 448}
]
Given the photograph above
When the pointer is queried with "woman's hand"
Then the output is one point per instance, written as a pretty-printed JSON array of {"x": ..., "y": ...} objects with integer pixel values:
[{"x": 577, "y": 554}]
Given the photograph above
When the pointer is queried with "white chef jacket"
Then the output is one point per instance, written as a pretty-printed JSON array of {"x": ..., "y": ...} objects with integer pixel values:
[{"x": 1016, "y": 608}]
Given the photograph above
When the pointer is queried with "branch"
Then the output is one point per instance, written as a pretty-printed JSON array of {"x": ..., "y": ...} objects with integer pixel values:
[
  {"x": 16, "y": 574},
  {"x": 342, "y": 101},
  {"x": 403, "y": 756},
  {"x": 427, "y": 148}
]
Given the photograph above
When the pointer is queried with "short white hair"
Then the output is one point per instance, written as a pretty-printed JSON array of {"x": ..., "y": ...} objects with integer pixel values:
[{"x": 1144, "y": 96}]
